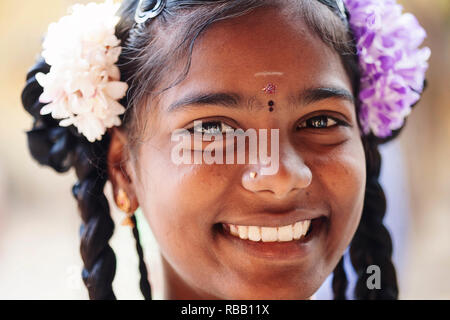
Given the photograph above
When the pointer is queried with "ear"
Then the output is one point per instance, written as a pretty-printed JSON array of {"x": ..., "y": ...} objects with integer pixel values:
[{"x": 119, "y": 167}]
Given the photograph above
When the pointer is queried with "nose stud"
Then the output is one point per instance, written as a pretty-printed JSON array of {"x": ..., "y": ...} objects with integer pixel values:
[{"x": 252, "y": 174}]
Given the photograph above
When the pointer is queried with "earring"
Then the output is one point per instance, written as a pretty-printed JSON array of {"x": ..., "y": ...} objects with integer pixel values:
[{"x": 124, "y": 205}]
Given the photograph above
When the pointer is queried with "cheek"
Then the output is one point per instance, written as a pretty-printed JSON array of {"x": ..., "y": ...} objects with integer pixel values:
[
  {"x": 181, "y": 203},
  {"x": 342, "y": 176}
]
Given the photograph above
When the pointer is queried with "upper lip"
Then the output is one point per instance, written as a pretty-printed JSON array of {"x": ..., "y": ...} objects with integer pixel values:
[{"x": 276, "y": 219}]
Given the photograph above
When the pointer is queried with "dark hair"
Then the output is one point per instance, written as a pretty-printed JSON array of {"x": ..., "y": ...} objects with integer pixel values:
[{"x": 149, "y": 52}]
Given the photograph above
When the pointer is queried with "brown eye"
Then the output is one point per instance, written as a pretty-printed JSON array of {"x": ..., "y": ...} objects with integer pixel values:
[{"x": 319, "y": 122}]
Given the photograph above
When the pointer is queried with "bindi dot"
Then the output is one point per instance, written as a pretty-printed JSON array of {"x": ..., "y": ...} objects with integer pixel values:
[
  {"x": 271, "y": 104},
  {"x": 270, "y": 88}
]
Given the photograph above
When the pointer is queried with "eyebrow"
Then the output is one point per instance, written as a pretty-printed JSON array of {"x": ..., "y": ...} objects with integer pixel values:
[
  {"x": 234, "y": 100},
  {"x": 222, "y": 99},
  {"x": 312, "y": 95}
]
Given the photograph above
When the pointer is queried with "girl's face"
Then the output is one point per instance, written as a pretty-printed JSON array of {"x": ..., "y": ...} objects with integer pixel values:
[{"x": 321, "y": 174}]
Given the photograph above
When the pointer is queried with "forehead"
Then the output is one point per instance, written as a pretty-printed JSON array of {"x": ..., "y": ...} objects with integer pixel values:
[{"x": 241, "y": 53}]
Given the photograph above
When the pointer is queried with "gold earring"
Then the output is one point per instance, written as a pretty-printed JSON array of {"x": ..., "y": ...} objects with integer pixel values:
[
  {"x": 124, "y": 205},
  {"x": 253, "y": 174}
]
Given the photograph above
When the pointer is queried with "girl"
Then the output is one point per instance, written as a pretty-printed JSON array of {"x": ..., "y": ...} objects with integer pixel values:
[{"x": 330, "y": 80}]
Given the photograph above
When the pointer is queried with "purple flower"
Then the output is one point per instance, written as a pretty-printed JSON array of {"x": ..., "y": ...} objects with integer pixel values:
[{"x": 392, "y": 64}]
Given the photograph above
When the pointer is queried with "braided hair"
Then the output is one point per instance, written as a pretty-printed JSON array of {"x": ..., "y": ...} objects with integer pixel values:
[
  {"x": 146, "y": 55},
  {"x": 371, "y": 244},
  {"x": 62, "y": 148}
]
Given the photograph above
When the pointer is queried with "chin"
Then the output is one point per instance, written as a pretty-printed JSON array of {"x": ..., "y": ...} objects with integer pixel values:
[{"x": 274, "y": 291}]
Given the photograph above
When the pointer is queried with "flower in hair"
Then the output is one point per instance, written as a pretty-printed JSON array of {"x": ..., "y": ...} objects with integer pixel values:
[
  {"x": 83, "y": 86},
  {"x": 392, "y": 64}
]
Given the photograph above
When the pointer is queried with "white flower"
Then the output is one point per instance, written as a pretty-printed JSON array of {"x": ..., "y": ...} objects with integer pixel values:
[{"x": 83, "y": 85}]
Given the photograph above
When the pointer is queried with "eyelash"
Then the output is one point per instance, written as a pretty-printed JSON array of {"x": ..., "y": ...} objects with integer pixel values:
[
  {"x": 222, "y": 124},
  {"x": 338, "y": 122}
]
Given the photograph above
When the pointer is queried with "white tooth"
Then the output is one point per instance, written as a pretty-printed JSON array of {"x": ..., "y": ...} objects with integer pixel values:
[
  {"x": 243, "y": 232},
  {"x": 298, "y": 230},
  {"x": 254, "y": 233},
  {"x": 285, "y": 233},
  {"x": 306, "y": 225},
  {"x": 233, "y": 230},
  {"x": 269, "y": 234}
]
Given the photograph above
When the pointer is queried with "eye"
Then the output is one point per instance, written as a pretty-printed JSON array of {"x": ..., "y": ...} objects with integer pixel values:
[
  {"x": 211, "y": 128},
  {"x": 320, "y": 122}
]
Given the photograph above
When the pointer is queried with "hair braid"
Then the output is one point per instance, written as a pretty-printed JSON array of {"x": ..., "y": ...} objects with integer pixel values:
[
  {"x": 97, "y": 227},
  {"x": 372, "y": 244},
  {"x": 61, "y": 148},
  {"x": 339, "y": 281},
  {"x": 144, "y": 284}
]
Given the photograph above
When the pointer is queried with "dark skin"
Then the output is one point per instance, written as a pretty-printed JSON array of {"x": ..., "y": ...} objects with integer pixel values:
[{"x": 321, "y": 172}]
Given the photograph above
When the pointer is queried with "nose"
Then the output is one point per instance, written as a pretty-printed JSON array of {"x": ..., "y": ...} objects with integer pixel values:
[{"x": 293, "y": 174}]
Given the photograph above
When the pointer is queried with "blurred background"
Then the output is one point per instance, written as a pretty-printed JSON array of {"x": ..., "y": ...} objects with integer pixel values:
[{"x": 39, "y": 222}]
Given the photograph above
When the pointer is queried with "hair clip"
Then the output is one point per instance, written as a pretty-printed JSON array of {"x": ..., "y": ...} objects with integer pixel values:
[
  {"x": 340, "y": 4},
  {"x": 143, "y": 16}
]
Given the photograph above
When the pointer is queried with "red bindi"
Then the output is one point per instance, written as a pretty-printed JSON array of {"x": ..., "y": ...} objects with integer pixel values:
[{"x": 270, "y": 88}]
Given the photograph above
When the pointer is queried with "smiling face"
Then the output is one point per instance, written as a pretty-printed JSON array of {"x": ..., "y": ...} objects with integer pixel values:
[{"x": 321, "y": 175}]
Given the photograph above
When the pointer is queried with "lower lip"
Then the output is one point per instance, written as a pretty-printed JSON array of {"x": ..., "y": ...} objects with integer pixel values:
[{"x": 276, "y": 251}]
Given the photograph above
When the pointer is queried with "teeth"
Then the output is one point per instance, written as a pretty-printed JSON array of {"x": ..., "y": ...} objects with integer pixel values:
[
  {"x": 254, "y": 233},
  {"x": 306, "y": 225},
  {"x": 234, "y": 230},
  {"x": 268, "y": 234},
  {"x": 298, "y": 230},
  {"x": 243, "y": 232},
  {"x": 285, "y": 233}
]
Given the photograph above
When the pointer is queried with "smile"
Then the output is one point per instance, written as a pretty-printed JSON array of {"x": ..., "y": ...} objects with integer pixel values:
[
  {"x": 280, "y": 244},
  {"x": 285, "y": 233}
]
